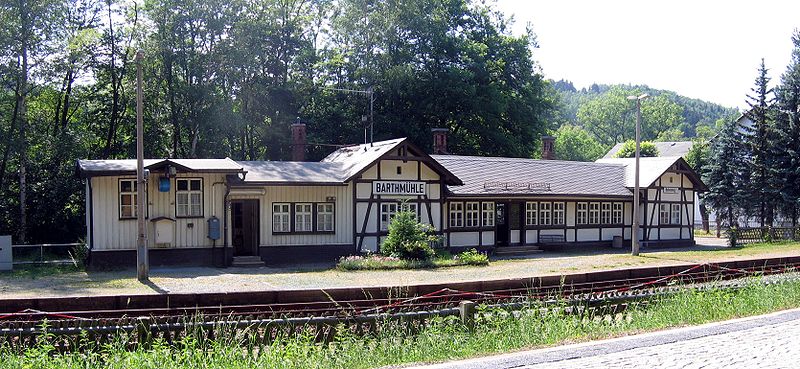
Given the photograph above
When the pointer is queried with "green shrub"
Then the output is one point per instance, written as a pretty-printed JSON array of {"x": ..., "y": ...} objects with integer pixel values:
[
  {"x": 733, "y": 235},
  {"x": 628, "y": 150},
  {"x": 408, "y": 239},
  {"x": 473, "y": 257}
]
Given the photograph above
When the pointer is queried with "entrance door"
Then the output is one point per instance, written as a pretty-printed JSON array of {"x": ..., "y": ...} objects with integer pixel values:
[
  {"x": 244, "y": 214},
  {"x": 501, "y": 231}
]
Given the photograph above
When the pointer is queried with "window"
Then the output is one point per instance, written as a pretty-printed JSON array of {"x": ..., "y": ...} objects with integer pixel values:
[
  {"x": 472, "y": 214},
  {"x": 456, "y": 214},
  {"x": 675, "y": 214},
  {"x": 558, "y": 213},
  {"x": 325, "y": 217},
  {"x": 531, "y": 213},
  {"x": 488, "y": 214},
  {"x": 616, "y": 214},
  {"x": 605, "y": 214},
  {"x": 303, "y": 217},
  {"x": 127, "y": 198},
  {"x": 581, "y": 214},
  {"x": 594, "y": 212},
  {"x": 388, "y": 209},
  {"x": 281, "y": 218},
  {"x": 544, "y": 213},
  {"x": 663, "y": 213},
  {"x": 189, "y": 198}
]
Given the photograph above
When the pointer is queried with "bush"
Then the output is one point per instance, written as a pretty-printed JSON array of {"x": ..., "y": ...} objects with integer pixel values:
[
  {"x": 628, "y": 150},
  {"x": 408, "y": 239},
  {"x": 732, "y": 236},
  {"x": 473, "y": 257}
]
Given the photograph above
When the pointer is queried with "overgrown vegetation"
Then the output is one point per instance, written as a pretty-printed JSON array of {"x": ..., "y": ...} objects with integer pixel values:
[
  {"x": 443, "y": 339},
  {"x": 628, "y": 150}
]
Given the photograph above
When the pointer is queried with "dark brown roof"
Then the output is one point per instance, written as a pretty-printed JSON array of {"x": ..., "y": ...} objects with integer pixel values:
[{"x": 517, "y": 176}]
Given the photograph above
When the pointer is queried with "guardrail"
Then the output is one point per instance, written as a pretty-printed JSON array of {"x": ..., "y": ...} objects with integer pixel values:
[{"x": 41, "y": 257}]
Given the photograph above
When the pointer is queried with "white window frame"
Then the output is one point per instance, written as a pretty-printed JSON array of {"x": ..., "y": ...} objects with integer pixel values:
[
  {"x": 605, "y": 213},
  {"x": 132, "y": 207},
  {"x": 559, "y": 212},
  {"x": 472, "y": 214},
  {"x": 675, "y": 213},
  {"x": 616, "y": 213},
  {"x": 531, "y": 213},
  {"x": 594, "y": 213},
  {"x": 456, "y": 214},
  {"x": 388, "y": 210},
  {"x": 582, "y": 213},
  {"x": 188, "y": 202},
  {"x": 544, "y": 213},
  {"x": 487, "y": 213},
  {"x": 281, "y": 217},
  {"x": 663, "y": 213},
  {"x": 303, "y": 217},
  {"x": 325, "y": 217}
]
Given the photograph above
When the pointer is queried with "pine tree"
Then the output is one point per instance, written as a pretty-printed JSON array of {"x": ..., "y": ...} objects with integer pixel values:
[
  {"x": 725, "y": 173},
  {"x": 786, "y": 170},
  {"x": 759, "y": 138}
]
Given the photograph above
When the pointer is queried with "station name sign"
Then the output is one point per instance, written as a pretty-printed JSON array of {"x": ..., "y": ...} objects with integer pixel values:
[{"x": 398, "y": 188}]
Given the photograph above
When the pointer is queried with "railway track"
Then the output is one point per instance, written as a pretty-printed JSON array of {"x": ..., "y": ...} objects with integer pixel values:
[{"x": 340, "y": 302}]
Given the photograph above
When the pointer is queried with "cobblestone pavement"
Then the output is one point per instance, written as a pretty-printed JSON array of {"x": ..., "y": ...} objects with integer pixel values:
[{"x": 769, "y": 341}]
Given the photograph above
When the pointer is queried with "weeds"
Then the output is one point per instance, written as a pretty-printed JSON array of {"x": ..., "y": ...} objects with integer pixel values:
[{"x": 441, "y": 339}]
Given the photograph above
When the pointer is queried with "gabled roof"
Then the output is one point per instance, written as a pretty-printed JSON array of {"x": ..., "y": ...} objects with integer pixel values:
[
  {"x": 92, "y": 168},
  {"x": 293, "y": 172},
  {"x": 677, "y": 148},
  {"x": 517, "y": 176},
  {"x": 357, "y": 159},
  {"x": 652, "y": 168}
]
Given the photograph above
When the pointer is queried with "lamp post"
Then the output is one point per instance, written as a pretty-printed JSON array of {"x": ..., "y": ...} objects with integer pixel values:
[{"x": 635, "y": 230}]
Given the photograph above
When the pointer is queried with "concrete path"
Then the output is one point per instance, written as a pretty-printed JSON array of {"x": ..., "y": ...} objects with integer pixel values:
[{"x": 767, "y": 341}]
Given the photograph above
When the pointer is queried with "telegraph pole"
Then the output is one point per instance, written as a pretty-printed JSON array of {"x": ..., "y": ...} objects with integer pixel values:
[
  {"x": 635, "y": 230},
  {"x": 142, "y": 264}
]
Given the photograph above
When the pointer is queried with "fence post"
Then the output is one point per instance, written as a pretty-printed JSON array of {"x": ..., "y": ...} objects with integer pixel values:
[
  {"x": 466, "y": 311},
  {"x": 142, "y": 331}
]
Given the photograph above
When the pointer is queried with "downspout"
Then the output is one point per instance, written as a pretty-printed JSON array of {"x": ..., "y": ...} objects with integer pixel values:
[
  {"x": 214, "y": 213},
  {"x": 90, "y": 204},
  {"x": 225, "y": 226}
]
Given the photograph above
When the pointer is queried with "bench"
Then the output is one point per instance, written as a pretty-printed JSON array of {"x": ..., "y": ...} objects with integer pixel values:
[{"x": 552, "y": 242}]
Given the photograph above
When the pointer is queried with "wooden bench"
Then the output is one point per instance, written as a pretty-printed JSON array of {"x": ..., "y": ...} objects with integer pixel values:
[{"x": 552, "y": 242}]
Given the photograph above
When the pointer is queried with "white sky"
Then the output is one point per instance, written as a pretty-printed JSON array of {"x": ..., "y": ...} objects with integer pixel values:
[{"x": 702, "y": 49}]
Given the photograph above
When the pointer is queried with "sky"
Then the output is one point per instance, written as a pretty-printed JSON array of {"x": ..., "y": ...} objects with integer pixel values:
[{"x": 705, "y": 49}]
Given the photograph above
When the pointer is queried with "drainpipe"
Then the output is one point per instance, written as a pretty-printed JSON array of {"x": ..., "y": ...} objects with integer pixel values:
[
  {"x": 214, "y": 213},
  {"x": 90, "y": 209},
  {"x": 225, "y": 226}
]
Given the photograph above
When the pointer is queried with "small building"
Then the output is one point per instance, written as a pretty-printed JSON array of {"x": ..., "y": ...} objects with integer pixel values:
[{"x": 213, "y": 211}]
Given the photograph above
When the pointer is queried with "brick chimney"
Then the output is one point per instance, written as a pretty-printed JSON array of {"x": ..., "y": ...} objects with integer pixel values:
[
  {"x": 298, "y": 141},
  {"x": 548, "y": 149},
  {"x": 440, "y": 141}
]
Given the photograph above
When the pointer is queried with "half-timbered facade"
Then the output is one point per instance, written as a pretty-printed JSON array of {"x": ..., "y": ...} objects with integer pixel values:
[{"x": 213, "y": 211}]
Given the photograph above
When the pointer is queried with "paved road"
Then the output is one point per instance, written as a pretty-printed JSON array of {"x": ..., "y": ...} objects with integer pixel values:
[{"x": 768, "y": 341}]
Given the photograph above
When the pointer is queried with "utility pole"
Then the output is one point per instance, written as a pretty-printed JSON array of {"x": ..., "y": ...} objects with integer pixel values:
[
  {"x": 635, "y": 230},
  {"x": 142, "y": 264}
]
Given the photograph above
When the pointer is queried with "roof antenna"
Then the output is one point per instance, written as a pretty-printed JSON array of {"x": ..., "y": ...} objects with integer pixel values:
[{"x": 370, "y": 93}]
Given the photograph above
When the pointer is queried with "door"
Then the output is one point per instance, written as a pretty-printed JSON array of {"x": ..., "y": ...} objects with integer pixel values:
[
  {"x": 245, "y": 219},
  {"x": 501, "y": 231}
]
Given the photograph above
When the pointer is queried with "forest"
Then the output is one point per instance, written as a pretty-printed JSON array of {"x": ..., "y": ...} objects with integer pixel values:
[{"x": 226, "y": 78}]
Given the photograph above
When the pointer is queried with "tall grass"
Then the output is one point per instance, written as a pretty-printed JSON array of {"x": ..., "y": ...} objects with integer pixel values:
[{"x": 443, "y": 339}]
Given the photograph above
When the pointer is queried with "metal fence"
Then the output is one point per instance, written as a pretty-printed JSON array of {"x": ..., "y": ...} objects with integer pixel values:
[
  {"x": 44, "y": 253},
  {"x": 766, "y": 234}
]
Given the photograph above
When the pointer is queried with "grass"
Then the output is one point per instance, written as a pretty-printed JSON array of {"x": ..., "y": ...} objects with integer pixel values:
[
  {"x": 381, "y": 262},
  {"x": 701, "y": 233},
  {"x": 36, "y": 271},
  {"x": 444, "y": 339}
]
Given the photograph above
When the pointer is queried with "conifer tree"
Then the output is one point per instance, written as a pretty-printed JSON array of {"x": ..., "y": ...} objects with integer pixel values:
[
  {"x": 786, "y": 170},
  {"x": 759, "y": 138},
  {"x": 725, "y": 173}
]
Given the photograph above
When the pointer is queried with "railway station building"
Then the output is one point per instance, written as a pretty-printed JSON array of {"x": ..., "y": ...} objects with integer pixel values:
[{"x": 222, "y": 212}]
